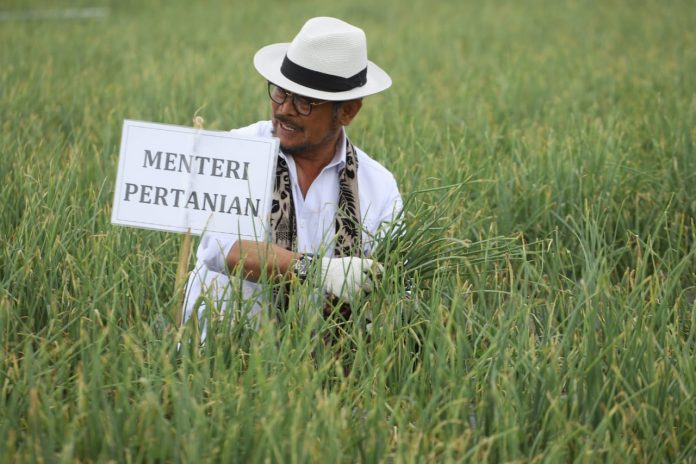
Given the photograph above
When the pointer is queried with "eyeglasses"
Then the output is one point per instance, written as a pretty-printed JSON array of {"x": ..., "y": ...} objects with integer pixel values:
[{"x": 303, "y": 105}]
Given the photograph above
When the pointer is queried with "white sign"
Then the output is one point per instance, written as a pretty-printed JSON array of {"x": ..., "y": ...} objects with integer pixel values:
[{"x": 177, "y": 178}]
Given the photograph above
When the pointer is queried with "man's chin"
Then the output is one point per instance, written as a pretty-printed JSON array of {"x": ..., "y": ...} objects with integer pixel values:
[{"x": 292, "y": 150}]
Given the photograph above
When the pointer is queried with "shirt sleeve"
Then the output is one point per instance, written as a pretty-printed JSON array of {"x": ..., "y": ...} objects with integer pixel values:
[
  {"x": 390, "y": 211},
  {"x": 392, "y": 207},
  {"x": 213, "y": 249}
]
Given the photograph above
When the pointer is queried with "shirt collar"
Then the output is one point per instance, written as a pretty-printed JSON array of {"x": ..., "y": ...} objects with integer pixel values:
[{"x": 339, "y": 158}]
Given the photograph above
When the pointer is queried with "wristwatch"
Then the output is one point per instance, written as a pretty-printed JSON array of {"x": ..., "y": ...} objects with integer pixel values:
[{"x": 302, "y": 265}]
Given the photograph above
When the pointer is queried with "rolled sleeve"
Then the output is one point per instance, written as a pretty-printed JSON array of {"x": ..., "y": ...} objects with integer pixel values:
[{"x": 213, "y": 250}]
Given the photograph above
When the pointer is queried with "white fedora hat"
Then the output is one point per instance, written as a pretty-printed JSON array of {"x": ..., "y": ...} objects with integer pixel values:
[{"x": 326, "y": 60}]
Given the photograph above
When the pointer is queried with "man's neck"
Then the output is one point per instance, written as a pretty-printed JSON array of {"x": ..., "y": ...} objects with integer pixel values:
[{"x": 310, "y": 164}]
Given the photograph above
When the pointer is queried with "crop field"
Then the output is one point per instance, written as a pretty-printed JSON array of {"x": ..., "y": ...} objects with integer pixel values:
[{"x": 539, "y": 305}]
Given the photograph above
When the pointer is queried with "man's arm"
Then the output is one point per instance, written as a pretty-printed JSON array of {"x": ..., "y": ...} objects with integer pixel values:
[
  {"x": 344, "y": 277},
  {"x": 260, "y": 257}
]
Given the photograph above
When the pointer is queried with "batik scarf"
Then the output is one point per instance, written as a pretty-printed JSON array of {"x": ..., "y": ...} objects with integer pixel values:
[{"x": 348, "y": 230}]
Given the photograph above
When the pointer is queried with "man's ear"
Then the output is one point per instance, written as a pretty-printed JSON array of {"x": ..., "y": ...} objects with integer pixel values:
[{"x": 348, "y": 110}]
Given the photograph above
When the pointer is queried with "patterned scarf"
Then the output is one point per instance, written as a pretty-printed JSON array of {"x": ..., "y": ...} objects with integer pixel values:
[{"x": 348, "y": 230}]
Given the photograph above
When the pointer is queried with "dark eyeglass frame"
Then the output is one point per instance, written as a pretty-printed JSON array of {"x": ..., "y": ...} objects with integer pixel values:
[{"x": 297, "y": 100}]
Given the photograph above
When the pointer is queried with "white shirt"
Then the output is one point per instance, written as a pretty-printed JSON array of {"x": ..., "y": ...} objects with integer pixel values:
[{"x": 380, "y": 201}]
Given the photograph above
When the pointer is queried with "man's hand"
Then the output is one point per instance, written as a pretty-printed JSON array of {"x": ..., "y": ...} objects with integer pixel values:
[{"x": 347, "y": 277}]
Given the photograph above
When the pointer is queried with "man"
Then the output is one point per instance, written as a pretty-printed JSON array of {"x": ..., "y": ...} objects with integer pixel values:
[{"x": 330, "y": 198}]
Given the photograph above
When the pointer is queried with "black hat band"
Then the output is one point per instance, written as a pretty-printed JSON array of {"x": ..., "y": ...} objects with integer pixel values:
[{"x": 321, "y": 81}]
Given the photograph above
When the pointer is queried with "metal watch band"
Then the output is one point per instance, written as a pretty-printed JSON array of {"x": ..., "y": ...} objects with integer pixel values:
[{"x": 302, "y": 265}]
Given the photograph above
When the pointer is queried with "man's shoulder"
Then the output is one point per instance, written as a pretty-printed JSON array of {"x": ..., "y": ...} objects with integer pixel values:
[
  {"x": 257, "y": 129},
  {"x": 372, "y": 167}
]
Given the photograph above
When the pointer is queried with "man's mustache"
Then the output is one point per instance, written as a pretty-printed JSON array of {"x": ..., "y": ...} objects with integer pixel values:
[{"x": 288, "y": 122}]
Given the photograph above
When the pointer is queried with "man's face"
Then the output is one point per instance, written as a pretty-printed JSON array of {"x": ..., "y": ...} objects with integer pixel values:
[{"x": 303, "y": 135}]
